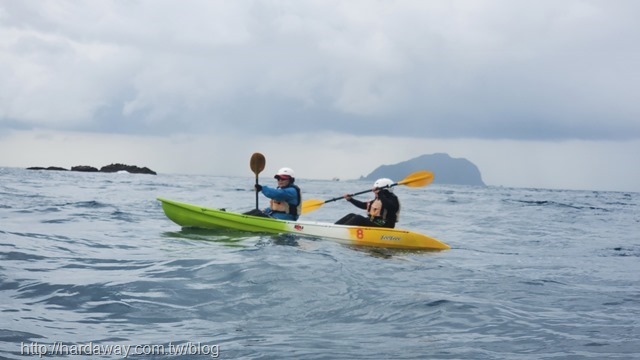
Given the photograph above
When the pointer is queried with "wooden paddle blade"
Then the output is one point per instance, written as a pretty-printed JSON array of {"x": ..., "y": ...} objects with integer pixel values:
[
  {"x": 417, "y": 179},
  {"x": 257, "y": 163},
  {"x": 311, "y": 205}
]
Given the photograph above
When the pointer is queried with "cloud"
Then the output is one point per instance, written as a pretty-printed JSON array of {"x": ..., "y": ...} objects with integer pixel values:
[
  {"x": 456, "y": 69},
  {"x": 368, "y": 82}
]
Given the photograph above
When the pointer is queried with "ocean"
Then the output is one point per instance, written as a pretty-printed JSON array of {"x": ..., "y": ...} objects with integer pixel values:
[{"x": 91, "y": 267}]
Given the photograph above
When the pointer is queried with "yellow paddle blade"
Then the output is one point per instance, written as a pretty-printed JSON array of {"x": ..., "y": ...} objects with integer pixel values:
[
  {"x": 311, "y": 205},
  {"x": 417, "y": 179}
]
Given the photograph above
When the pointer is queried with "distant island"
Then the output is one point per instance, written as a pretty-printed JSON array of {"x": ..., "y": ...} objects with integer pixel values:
[
  {"x": 111, "y": 168},
  {"x": 446, "y": 170}
]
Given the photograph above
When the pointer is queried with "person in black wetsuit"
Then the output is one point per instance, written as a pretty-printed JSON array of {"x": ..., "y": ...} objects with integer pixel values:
[{"x": 382, "y": 211}]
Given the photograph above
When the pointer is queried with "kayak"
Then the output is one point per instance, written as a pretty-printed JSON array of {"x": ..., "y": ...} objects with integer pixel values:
[{"x": 188, "y": 215}]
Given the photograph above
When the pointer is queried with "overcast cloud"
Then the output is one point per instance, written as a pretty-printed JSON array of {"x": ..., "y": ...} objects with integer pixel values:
[{"x": 525, "y": 77}]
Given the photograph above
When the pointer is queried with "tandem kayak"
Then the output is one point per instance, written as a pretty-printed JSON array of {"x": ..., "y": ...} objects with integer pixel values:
[{"x": 188, "y": 215}]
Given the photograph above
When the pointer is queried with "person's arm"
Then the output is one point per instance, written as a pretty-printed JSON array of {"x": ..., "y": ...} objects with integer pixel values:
[
  {"x": 288, "y": 195},
  {"x": 356, "y": 203}
]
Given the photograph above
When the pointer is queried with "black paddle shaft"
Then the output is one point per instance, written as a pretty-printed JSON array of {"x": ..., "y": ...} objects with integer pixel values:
[{"x": 360, "y": 193}]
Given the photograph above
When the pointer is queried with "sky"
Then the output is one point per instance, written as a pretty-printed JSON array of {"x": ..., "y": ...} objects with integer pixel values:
[{"x": 536, "y": 93}]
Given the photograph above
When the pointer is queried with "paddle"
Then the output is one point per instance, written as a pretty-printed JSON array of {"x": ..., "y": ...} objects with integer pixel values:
[
  {"x": 417, "y": 179},
  {"x": 257, "y": 163}
]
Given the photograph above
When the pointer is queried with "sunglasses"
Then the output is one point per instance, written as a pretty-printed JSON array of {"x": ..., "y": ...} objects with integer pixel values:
[{"x": 278, "y": 177}]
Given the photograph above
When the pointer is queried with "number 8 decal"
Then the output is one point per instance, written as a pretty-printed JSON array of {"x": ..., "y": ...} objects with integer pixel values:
[{"x": 360, "y": 233}]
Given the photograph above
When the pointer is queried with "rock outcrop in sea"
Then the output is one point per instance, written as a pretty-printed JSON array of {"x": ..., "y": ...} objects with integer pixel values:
[
  {"x": 111, "y": 168},
  {"x": 446, "y": 170}
]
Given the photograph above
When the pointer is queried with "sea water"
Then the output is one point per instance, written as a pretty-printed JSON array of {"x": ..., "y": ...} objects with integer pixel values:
[{"x": 90, "y": 266}]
